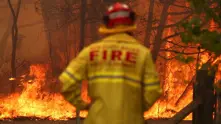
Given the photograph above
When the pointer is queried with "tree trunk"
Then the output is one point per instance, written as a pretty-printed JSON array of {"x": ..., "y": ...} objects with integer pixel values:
[
  {"x": 158, "y": 37},
  {"x": 82, "y": 25},
  {"x": 82, "y": 40},
  {"x": 93, "y": 28},
  {"x": 14, "y": 35},
  {"x": 93, "y": 16},
  {"x": 14, "y": 30},
  {"x": 149, "y": 24}
]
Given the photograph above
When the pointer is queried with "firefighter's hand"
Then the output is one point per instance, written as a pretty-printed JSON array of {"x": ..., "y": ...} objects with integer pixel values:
[{"x": 81, "y": 105}]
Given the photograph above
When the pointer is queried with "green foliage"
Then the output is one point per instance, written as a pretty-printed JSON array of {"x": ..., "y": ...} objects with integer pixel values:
[
  {"x": 211, "y": 41},
  {"x": 194, "y": 32},
  {"x": 204, "y": 6},
  {"x": 186, "y": 38}
]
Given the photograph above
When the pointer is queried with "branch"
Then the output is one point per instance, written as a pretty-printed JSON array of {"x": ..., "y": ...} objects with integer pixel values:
[
  {"x": 217, "y": 60},
  {"x": 179, "y": 13},
  {"x": 11, "y": 8},
  {"x": 171, "y": 36},
  {"x": 181, "y": 6},
  {"x": 171, "y": 25},
  {"x": 18, "y": 10},
  {"x": 174, "y": 51},
  {"x": 180, "y": 45},
  {"x": 166, "y": 57}
]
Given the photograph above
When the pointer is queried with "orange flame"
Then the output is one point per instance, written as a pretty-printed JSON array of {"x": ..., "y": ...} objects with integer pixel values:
[{"x": 33, "y": 102}]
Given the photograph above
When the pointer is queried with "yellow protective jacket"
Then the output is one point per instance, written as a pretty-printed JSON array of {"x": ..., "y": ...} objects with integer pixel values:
[{"x": 122, "y": 81}]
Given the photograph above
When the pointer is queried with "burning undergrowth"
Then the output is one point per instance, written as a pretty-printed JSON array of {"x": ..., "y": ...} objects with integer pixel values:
[{"x": 34, "y": 102}]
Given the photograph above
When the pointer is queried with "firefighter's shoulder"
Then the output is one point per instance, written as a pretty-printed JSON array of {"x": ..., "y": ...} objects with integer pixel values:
[
  {"x": 94, "y": 45},
  {"x": 143, "y": 48}
]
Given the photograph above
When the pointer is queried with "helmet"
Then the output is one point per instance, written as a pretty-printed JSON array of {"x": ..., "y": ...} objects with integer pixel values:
[{"x": 118, "y": 18}]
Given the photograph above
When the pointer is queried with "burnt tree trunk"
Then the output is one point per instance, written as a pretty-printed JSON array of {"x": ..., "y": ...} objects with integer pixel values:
[
  {"x": 82, "y": 40},
  {"x": 14, "y": 35},
  {"x": 82, "y": 25},
  {"x": 14, "y": 30},
  {"x": 203, "y": 114},
  {"x": 93, "y": 18},
  {"x": 160, "y": 30},
  {"x": 149, "y": 24},
  {"x": 56, "y": 26}
]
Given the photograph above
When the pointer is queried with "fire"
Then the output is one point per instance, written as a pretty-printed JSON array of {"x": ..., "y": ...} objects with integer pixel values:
[
  {"x": 177, "y": 84},
  {"x": 176, "y": 87},
  {"x": 34, "y": 102}
]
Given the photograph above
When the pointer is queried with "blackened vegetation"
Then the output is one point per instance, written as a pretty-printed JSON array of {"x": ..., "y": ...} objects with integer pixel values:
[{"x": 30, "y": 120}]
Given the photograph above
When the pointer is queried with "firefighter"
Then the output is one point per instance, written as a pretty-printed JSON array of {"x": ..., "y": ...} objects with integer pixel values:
[{"x": 122, "y": 80}]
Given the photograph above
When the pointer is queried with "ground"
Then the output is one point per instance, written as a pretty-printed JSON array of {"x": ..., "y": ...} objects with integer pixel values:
[{"x": 74, "y": 122}]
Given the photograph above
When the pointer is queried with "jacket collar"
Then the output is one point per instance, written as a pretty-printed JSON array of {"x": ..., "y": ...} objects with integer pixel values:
[{"x": 119, "y": 37}]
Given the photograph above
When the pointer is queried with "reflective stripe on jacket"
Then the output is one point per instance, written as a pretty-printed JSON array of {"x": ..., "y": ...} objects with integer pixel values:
[{"x": 116, "y": 68}]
